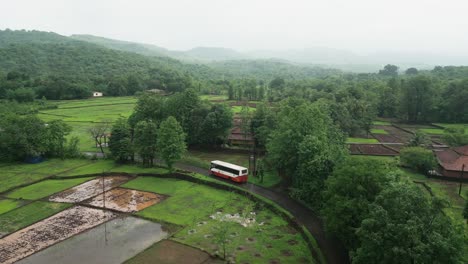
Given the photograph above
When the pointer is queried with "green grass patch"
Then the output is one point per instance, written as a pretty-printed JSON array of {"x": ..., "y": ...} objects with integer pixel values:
[
  {"x": 138, "y": 169},
  {"x": 237, "y": 109},
  {"x": 379, "y": 131},
  {"x": 28, "y": 214},
  {"x": 210, "y": 97},
  {"x": 98, "y": 166},
  {"x": 446, "y": 125},
  {"x": 361, "y": 140},
  {"x": 8, "y": 205},
  {"x": 158, "y": 185},
  {"x": 17, "y": 174},
  {"x": 187, "y": 203},
  {"x": 432, "y": 131},
  {"x": 45, "y": 188},
  {"x": 381, "y": 123}
]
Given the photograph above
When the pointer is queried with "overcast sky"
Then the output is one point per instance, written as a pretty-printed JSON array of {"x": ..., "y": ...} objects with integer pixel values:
[{"x": 358, "y": 25}]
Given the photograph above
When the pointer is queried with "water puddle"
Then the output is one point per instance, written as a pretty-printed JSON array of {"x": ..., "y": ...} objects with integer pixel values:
[
  {"x": 126, "y": 200},
  {"x": 87, "y": 190},
  {"x": 126, "y": 237},
  {"x": 49, "y": 231}
]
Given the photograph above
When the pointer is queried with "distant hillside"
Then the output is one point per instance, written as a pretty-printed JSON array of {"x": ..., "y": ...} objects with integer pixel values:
[
  {"x": 215, "y": 54},
  {"x": 42, "y": 53}
]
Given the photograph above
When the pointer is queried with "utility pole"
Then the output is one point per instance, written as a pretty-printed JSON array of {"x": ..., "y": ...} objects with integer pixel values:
[{"x": 461, "y": 179}]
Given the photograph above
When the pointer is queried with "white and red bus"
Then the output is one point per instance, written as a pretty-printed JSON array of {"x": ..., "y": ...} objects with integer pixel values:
[{"x": 229, "y": 171}]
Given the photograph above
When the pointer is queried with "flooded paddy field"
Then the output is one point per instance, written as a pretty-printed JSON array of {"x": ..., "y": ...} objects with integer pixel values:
[
  {"x": 126, "y": 200},
  {"x": 50, "y": 231},
  {"x": 111, "y": 242},
  {"x": 87, "y": 190}
]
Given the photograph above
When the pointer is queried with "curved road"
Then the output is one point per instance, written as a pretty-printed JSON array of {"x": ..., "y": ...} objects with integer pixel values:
[{"x": 331, "y": 247}]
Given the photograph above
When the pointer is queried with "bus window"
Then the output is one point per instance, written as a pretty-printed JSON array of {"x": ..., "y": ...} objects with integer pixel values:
[{"x": 244, "y": 171}]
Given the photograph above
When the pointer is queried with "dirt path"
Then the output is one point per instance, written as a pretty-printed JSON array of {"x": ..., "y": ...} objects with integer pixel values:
[{"x": 331, "y": 247}]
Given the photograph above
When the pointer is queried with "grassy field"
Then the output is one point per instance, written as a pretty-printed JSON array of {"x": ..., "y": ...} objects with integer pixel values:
[
  {"x": 381, "y": 123},
  {"x": 28, "y": 214},
  {"x": 82, "y": 115},
  {"x": 205, "y": 212},
  {"x": 45, "y": 188},
  {"x": 237, "y": 109},
  {"x": 445, "y": 125},
  {"x": 210, "y": 97},
  {"x": 432, "y": 131},
  {"x": 361, "y": 140},
  {"x": 14, "y": 175},
  {"x": 8, "y": 205},
  {"x": 378, "y": 131}
]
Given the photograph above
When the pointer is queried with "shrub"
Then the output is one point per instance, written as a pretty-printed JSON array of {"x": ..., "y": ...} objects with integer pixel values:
[{"x": 417, "y": 158}]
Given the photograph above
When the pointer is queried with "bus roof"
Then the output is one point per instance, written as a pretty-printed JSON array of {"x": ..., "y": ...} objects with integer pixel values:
[{"x": 227, "y": 164}]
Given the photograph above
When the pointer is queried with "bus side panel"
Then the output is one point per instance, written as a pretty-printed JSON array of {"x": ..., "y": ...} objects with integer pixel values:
[
  {"x": 221, "y": 175},
  {"x": 242, "y": 178}
]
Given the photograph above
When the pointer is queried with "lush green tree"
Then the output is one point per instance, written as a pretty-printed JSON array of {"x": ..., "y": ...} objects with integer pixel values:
[
  {"x": 349, "y": 191},
  {"x": 263, "y": 122},
  {"x": 403, "y": 226},
  {"x": 417, "y": 99},
  {"x": 55, "y": 140},
  {"x": 304, "y": 147},
  {"x": 145, "y": 141},
  {"x": 389, "y": 70},
  {"x": 21, "y": 95},
  {"x": 171, "y": 141},
  {"x": 120, "y": 142},
  {"x": 411, "y": 71},
  {"x": 418, "y": 158},
  {"x": 455, "y": 137},
  {"x": 215, "y": 127}
]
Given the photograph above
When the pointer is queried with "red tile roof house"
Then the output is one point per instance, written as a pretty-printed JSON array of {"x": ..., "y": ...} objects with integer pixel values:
[{"x": 451, "y": 162}]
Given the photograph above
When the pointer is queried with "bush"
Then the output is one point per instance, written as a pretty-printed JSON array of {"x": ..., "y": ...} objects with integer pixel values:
[{"x": 417, "y": 158}]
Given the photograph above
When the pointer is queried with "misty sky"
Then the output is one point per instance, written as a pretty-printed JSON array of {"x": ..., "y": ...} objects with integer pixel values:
[{"x": 362, "y": 26}]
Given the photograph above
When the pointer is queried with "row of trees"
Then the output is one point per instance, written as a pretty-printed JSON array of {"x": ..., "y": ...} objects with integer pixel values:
[
  {"x": 173, "y": 120},
  {"x": 148, "y": 141},
  {"x": 384, "y": 218},
  {"x": 26, "y": 136}
]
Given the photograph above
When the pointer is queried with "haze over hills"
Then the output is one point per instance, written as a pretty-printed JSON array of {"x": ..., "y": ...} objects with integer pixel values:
[{"x": 316, "y": 56}]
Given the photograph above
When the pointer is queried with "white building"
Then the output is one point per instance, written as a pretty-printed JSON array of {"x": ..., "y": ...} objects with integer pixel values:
[{"x": 97, "y": 94}]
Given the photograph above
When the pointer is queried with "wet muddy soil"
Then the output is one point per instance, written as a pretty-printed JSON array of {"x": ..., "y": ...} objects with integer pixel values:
[
  {"x": 125, "y": 200},
  {"x": 111, "y": 242},
  {"x": 88, "y": 189},
  {"x": 50, "y": 231}
]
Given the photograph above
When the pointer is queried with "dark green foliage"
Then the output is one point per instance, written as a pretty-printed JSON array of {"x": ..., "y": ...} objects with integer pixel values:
[
  {"x": 304, "y": 147},
  {"x": 418, "y": 158},
  {"x": 145, "y": 141},
  {"x": 120, "y": 142},
  {"x": 389, "y": 70},
  {"x": 455, "y": 137},
  {"x": 419, "y": 139},
  {"x": 349, "y": 191},
  {"x": 418, "y": 99},
  {"x": 465, "y": 211},
  {"x": 171, "y": 141},
  {"x": 28, "y": 136},
  {"x": 403, "y": 226}
]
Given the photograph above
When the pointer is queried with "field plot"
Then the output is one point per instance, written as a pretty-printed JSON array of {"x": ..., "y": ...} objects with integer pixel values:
[
  {"x": 8, "y": 205},
  {"x": 373, "y": 149},
  {"x": 126, "y": 200},
  {"x": 108, "y": 243},
  {"x": 45, "y": 188},
  {"x": 23, "y": 216},
  {"x": 87, "y": 190},
  {"x": 256, "y": 235},
  {"x": 50, "y": 231},
  {"x": 171, "y": 252}
]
